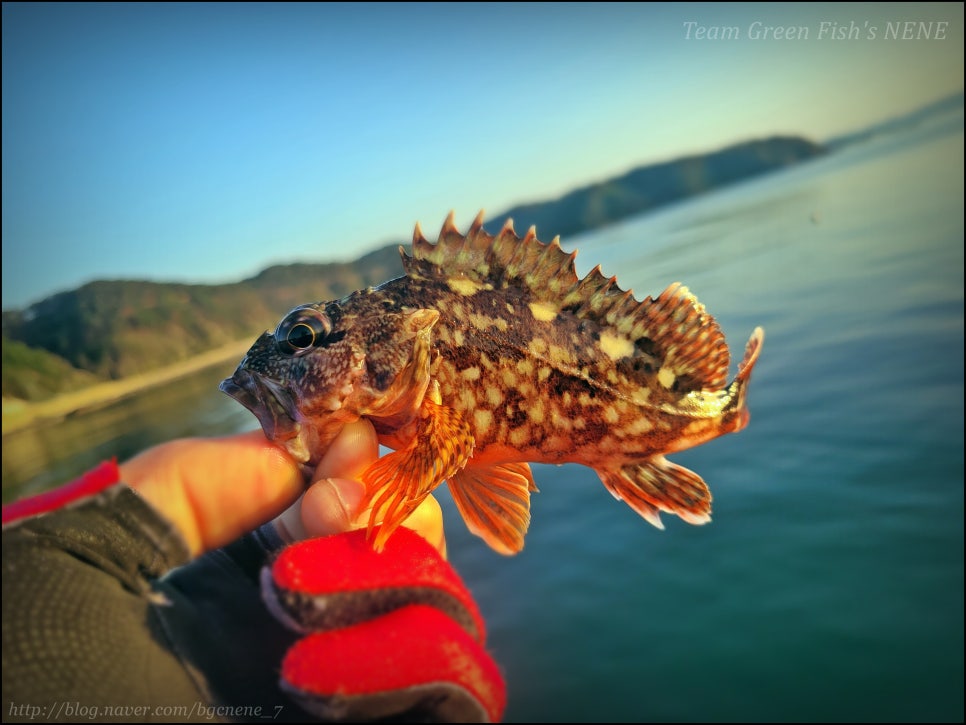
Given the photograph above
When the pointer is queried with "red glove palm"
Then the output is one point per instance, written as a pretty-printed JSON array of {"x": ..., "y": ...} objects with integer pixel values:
[{"x": 390, "y": 634}]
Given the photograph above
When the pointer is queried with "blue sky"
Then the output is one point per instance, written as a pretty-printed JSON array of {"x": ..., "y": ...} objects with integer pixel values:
[{"x": 203, "y": 142}]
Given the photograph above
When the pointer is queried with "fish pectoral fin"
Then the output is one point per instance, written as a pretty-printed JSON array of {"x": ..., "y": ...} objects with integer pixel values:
[
  {"x": 657, "y": 485},
  {"x": 495, "y": 503},
  {"x": 398, "y": 482}
]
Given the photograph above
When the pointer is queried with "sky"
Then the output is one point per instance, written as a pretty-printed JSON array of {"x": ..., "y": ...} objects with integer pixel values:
[{"x": 202, "y": 143}]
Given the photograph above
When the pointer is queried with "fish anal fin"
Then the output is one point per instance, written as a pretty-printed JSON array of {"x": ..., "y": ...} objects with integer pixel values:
[
  {"x": 398, "y": 482},
  {"x": 656, "y": 485},
  {"x": 495, "y": 503}
]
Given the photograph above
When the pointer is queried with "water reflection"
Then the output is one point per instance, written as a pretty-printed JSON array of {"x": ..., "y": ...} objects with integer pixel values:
[{"x": 40, "y": 457}]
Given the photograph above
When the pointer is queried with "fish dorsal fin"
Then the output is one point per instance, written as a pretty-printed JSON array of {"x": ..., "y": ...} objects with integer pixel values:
[
  {"x": 693, "y": 346},
  {"x": 500, "y": 261},
  {"x": 674, "y": 331}
]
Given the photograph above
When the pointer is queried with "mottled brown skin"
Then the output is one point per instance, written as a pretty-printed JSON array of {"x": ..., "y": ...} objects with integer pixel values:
[
  {"x": 488, "y": 354},
  {"x": 536, "y": 389}
]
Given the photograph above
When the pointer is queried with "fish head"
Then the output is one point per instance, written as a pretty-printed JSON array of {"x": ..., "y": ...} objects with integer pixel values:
[{"x": 328, "y": 364}]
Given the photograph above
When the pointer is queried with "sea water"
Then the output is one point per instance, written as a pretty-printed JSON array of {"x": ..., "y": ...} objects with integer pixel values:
[{"x": 829, "y": 586}]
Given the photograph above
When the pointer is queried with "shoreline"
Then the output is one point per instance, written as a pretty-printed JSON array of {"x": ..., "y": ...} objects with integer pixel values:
[{"x": 19, "y": 414}]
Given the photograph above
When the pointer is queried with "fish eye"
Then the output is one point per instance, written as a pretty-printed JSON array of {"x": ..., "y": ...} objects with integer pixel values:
[{"x": 301, "y": 330}]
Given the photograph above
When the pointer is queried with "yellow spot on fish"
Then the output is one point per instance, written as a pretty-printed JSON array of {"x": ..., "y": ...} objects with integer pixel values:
[
  {"x": 538, "y": 347},
  {"x": 698, "y": 427},
  {"x": 494, "y": 396},
  {"x": 464, "y": 286},
  {"x": 509, "y": 379},
  {"x": 471, "y": 374},
  {"x": 520, "y": 436},
  {"x": 638, "y": 426},
  {"x": 543, "y": 374},
  {"x": 536, "y": 411},
  {"x": 611, "y": 415},
  {"x": 615, "y": 346},
  {"x": 561, "y": 355},
  {"x": 641, "y": 396},
  {"x": 525, "y": 367},
  {"x": 467, "y": 398},
  {"x": 666, "y": 377},
  {"x": 483, "y": 420},
  {"x": 543, "y": 311},
  {"x": 482, "y": 322},
  {"x": 611, "y": 445}
]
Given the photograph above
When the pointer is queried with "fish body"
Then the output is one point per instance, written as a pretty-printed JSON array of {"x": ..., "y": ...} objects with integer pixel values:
[{"x": 490, "y": 354}]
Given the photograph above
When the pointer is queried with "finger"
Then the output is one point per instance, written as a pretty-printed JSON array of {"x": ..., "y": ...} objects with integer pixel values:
[
  {"x": 427, "y": 521},
  {"x": 330, "y": 507},
  {"x": 351, "y": 453},
  {"x": 214, "y": 490},
  {"x": 330, "y": 504}
]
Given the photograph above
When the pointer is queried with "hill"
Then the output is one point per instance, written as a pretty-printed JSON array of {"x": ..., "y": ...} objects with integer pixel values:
[
  {"x": 649, "y": 187},
  {"x": 114, "y": 329}
]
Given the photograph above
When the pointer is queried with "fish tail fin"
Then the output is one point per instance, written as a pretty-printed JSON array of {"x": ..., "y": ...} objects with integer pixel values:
[
  {"x": 736, "y": 412},
  {"x": 752, "y": 350},
  {"x": 656, "y": 485}
]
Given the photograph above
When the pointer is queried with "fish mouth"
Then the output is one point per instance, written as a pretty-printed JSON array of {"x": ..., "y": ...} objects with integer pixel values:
[{"x": 274, "y": 407}]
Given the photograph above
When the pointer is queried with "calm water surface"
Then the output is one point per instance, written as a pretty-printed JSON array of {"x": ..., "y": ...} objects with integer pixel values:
[{"x": 829, "y": 586}]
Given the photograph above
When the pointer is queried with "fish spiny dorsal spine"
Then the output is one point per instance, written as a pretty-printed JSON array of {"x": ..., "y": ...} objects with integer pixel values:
[{"x": 675, "y": 323}]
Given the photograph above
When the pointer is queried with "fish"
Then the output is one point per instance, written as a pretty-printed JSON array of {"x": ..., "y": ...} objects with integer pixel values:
[{"x": 490, "y": 354}]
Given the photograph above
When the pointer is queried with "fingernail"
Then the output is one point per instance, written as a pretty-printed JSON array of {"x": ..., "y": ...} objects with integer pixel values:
[
  {"x": 330, "y": 506},
  {"x": 349, "y": 494}
]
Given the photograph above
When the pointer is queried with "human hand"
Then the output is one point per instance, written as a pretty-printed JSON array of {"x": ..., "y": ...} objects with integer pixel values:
[
  {"x": 405, "y": 606},
  {"x": 412, "y": 651},
  {"x": 330, "y": 504},
  {"x": 357, "y": 611},
  {"x": 214, "y": 490}
]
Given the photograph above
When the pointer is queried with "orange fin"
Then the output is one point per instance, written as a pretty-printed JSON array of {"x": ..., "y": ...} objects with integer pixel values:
[
  {"x": 752, "y": 350},
  {"x": 495, "y": 503},
  {"x": 687, "y": 339},
  {"x": 658, "y": 485},
  {"x": 398, "y": 482}
]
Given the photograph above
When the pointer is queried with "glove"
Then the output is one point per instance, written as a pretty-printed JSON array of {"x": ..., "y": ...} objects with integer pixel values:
[
  {"x": 94, "y": 481},
  {"x": 393, "y": 634}
]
